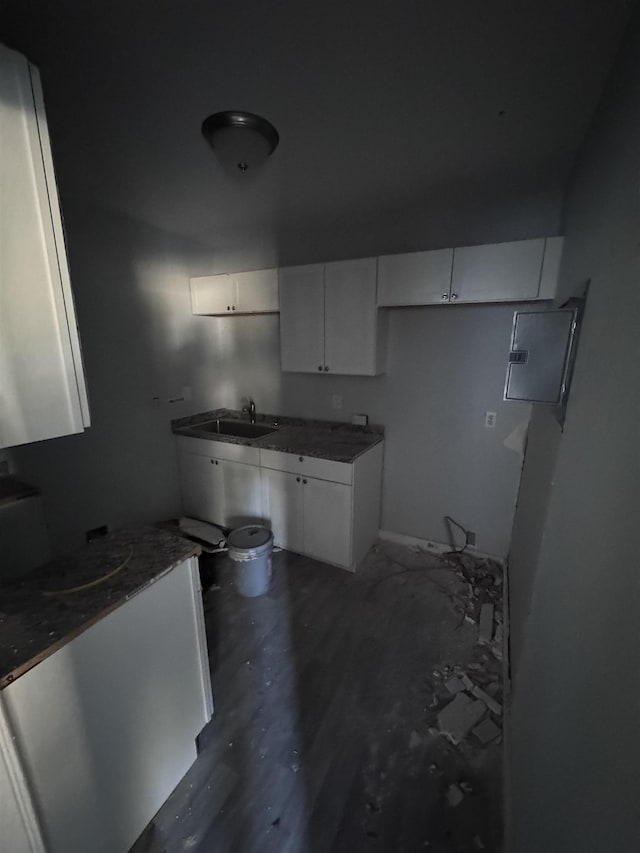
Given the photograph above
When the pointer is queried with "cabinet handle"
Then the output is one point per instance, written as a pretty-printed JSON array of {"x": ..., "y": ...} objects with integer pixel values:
[
  {"x": 445, "y": 296},
  {"x": 319, "y": 367},
  {"x": 454, "y": 295},
  {"x": 297, "y": 479},
  {"x": 326, "y": 368},
  {"x": 304, "y": 481}
]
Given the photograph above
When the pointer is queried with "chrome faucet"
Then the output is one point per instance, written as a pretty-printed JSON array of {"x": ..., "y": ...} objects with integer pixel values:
[{"x": 251, "y": 410}]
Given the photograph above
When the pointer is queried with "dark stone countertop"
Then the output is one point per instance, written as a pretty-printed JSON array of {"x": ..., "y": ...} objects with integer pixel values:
[
  {"x": 334, "y": 440},
  {"x": 35, "y": 624}
]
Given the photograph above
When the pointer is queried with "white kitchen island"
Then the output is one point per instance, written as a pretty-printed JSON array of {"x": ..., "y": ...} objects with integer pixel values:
[{"x": 98, "y": 725}]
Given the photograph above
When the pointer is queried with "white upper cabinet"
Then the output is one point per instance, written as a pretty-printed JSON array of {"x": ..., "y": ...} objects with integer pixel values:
[
  {"x": 497, "y": 272},
  {"x": 42, "y": 385},
  {"x": 416, "y": 278},
  {"x": 550, "y": 267},
  {"x": 254, "y": 292},
  {"x": 302, "y": 318},
  {"x": 213, "y": 294},
  {"x": 328, "y": 318},
  {"x": 350, "y": 318}
]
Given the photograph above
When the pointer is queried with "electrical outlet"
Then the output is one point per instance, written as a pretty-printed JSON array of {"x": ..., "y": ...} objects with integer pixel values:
[
  {"x": 336, "y": 401},
  {"x": 186, "y": 393},
  {"x": 490, "y": 419},
  {"x": 471, "y": 538}
]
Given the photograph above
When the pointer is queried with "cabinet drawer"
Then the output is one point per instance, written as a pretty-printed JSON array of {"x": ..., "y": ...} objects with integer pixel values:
[
  {"x": 311, "y": 466},
  {"x": 219, "y": 449}
]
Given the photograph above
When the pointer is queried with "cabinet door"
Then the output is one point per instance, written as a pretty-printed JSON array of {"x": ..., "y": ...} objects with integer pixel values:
[
  {"x": 42, "y": 389},
  {"x": 351, "y": 317},
  {"x": 126, "y": 700},
  {"x": 213, "y": 294},
  {"x": 327, "y": 521},
  {"x": 302, "y": 318},
  {"x": 257, "y": 291},
  {"x": 283, "y": 505},
  {"x": 242, "y": 494},
  {"x": 202, "y": 485},
  {"x": 497, "y": 272},
  {"x": 417, "y": 278}
]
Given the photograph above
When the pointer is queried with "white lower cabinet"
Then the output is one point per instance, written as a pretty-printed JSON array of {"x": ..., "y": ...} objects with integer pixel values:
[
  {"x": 282, "y": 497},
  {"x": 242, "y": 503},
  {"x": 328, "y": 521},
  {"x": 94, "y": 738},
  {"x": 202, "y": 488},
  {"x": 309, "y": 516},
  {"x": 218, "y": 490},
  {"x": 324, "y": 509}
]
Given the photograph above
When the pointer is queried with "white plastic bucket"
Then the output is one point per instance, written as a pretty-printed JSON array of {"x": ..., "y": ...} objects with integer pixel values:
[{"x": 250, "y": 547}]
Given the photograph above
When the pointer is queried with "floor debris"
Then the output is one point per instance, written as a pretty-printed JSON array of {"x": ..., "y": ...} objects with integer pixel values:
[
  {"x": 487, "y": 731},
  {"x": 454, "y": 685},
  {"x": 485, "y": 629},
  {"x": 454, "y": 795},
  {"x": 489, "y": 701},
  {"x": 415, "y": 740},
  {"x": 458, "y": 717}
]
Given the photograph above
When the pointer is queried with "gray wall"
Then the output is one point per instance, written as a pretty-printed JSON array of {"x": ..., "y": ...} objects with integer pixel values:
[
  {"x": 573, "y": 732},
  {"x": 445, "y": 368},
  {"x": 132, "y": 307}
]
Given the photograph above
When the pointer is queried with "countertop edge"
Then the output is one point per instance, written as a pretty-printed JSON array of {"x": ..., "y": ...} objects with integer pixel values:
[
  {"x": 11, "y": 677},
  {"x": 374, "y": 435}
]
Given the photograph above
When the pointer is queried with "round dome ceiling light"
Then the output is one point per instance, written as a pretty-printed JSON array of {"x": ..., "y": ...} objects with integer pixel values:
[{"x": 240, "y": 139}]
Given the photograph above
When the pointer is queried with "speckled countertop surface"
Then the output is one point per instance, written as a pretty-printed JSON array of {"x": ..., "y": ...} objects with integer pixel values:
[
  {"x": 338, "y": 441},
  {"x": 34, "y": 624}
]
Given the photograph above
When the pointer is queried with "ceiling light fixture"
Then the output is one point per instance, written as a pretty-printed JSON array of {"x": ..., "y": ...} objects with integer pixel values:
[{"x": 240, "y": 139}]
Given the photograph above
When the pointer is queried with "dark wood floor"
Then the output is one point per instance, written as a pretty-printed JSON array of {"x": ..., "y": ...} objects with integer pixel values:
[{"x": 324, "y": 694}]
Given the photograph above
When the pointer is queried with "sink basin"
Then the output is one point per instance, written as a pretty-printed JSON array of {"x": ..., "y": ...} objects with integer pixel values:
[{"x": 239, "y": 429}]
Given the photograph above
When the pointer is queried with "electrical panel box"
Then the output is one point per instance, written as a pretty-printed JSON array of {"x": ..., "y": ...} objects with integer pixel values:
[{"x": 541, "y": 344}]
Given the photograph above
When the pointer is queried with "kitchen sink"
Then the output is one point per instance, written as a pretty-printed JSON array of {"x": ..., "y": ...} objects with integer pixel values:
[{"x": 239, "y": 429}]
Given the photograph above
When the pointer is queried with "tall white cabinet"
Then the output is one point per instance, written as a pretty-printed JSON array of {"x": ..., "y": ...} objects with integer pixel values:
[
  {"x": 42, "y": 385},
  {"x": 329, "y": 321}
]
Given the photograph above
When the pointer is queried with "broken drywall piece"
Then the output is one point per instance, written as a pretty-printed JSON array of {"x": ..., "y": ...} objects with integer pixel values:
[
  {"x": 489, "y": 701},
  {"x": 485, "y": 631},
  {"x": 517, "y": 439},
  {"x": 454, "y": 685},
  {"x": 458, "y": 717},
  {"x": 454, "y": 795},
  {"x": 497, "y": 642},
  {"x": 487, "y": 731}
]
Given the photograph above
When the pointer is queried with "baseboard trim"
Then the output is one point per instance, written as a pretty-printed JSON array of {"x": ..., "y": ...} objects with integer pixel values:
[{"x": 436, "y": 547}]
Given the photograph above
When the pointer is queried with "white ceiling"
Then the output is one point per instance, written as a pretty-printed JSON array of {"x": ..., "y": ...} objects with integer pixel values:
[{"x": 390, "y": 112}]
